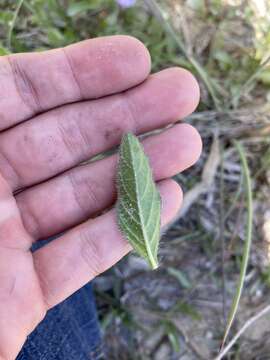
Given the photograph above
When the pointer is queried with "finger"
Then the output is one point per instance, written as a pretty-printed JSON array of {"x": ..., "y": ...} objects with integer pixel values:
[
  {"x": 18, "y": 281},
  {"x": 86, "y": 190},
  {"x": 35, "y": 82},
  {"x": 64, "y": 137},
  {"x": 68, "y": 263}
]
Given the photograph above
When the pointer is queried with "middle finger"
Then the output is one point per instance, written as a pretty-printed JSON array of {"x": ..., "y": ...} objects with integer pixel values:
[{"x": 62, "y": 138}]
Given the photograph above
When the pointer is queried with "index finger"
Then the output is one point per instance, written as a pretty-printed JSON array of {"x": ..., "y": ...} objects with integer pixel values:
[{"x": 36, "y": 82}]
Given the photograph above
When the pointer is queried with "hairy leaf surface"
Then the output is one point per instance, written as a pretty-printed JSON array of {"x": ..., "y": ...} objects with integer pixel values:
[{"x": 138, "y": 207}]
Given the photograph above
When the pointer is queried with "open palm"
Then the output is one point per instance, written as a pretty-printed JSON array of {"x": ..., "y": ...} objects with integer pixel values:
[{"x": 58, "y": 109}]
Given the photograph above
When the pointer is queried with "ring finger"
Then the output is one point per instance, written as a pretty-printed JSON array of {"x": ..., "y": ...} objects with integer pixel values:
[{"x": 82, "y": 192}]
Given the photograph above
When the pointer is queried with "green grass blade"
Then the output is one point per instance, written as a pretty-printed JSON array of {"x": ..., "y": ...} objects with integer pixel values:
[
  {"x": 248, "y": 83},
  {"x": 12, "y": 24},
  {"x": 196, "y": 65},
  {"x": 180, "y": 276},
  {"x": 247, "y": 244}
]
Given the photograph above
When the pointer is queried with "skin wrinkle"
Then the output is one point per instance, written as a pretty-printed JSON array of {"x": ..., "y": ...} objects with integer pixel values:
[
  {"x": 12, "y": 287},
  {"x": 43, "y": 285},
  {"x": 73, "y": 135},
  {"x": 77, "y": 187},
  {"x": 7, "y": 287},
  {"x": 90, "y": 252},
  {"x": 31, "y": 222},
  {"x": 24, "y": 86},
  {"x": 70, "y": 65},
  {"x": 67, "y": 140},
  {"x": 11, "y": 169}
]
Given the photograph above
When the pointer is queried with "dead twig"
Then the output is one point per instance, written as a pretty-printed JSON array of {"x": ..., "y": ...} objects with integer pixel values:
[
  {"x": 250, "y": 322},
  {"x": 208, "y": 176}
]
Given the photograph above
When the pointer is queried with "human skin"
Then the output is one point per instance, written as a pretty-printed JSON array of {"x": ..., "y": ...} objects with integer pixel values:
[{"x": 57, "y": 109}]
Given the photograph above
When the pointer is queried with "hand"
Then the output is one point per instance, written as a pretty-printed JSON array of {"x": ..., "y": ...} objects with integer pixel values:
[{"x": 57, "y": 109}]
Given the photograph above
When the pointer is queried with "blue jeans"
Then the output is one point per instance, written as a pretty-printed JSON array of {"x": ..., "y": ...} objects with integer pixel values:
[{"x": 70, "y": 331}]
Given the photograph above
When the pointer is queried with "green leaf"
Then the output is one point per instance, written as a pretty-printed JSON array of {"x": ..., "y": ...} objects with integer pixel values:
[
  {"x": 3, "y": 50},
  {"x": 174, "y": 340},
  {"x": 82, "y": 6},
  {"x": 188, "y": 310},
  {"x": 180, "y": 276},
  {"x": 13, "y": 21},
  {"x": 55, "y": 37},
  {"x": 138, "y": 206},
  {"x": 173, "y": 335}
]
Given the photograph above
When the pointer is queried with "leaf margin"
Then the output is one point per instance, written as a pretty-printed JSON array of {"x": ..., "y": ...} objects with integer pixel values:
[{"x": 144, "y": 249}]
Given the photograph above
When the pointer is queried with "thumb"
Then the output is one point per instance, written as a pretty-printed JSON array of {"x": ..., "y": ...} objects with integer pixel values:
[{"x": 21, "y": 305}]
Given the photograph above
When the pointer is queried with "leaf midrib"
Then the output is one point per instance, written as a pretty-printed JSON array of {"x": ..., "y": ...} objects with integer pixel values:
[{"x": 147, "y": 243}]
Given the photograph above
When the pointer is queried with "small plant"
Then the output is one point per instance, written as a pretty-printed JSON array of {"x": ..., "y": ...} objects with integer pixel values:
[{"x": 138, "y": 207}]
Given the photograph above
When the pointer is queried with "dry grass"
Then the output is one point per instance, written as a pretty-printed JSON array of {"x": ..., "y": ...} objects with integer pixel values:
[{"x": 206, "y": 245}]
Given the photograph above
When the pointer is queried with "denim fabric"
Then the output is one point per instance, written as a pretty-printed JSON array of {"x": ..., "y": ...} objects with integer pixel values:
[{"x": 69, "y": 331}]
